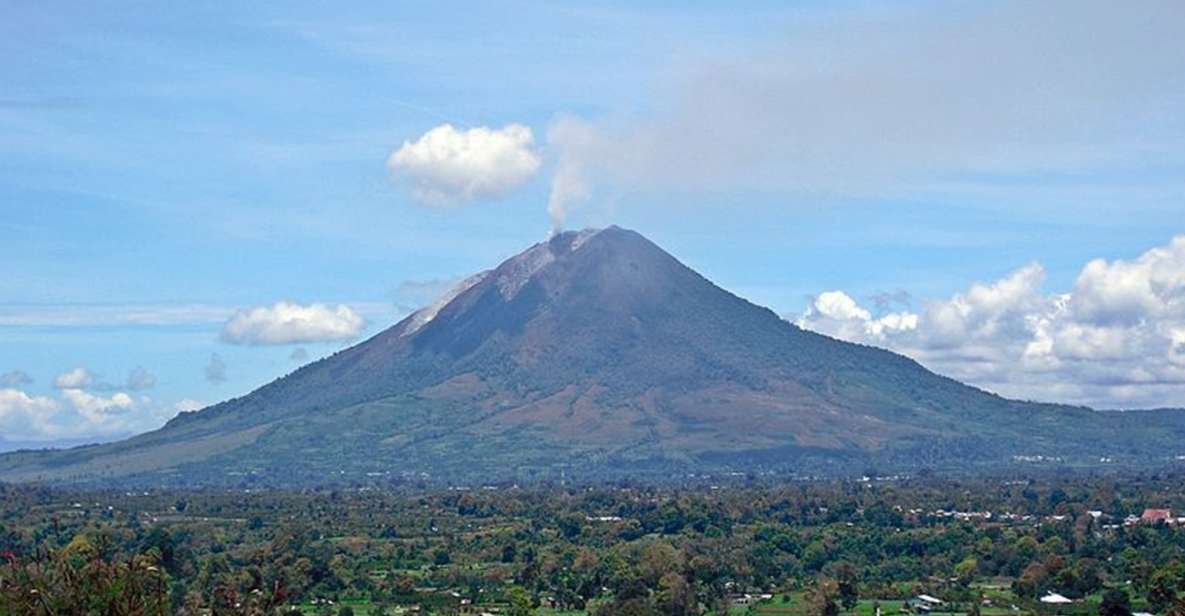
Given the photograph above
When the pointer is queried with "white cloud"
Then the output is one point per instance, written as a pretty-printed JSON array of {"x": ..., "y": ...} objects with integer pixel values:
[
  {"x": 1117, "y": 339},
  {"x": 77, "y": 414},
  {"x": 447, "y": 167},
  {"x": 80, "y": 378},
  {"x": 97, "y": 409},
  {"x": 74, "y": 379},
  {"x": 22, "y": 414},
  {"x": 846, "y": 319},
  {"x": 1123, "y": 292},
  {"x": 289, "y": 323}
]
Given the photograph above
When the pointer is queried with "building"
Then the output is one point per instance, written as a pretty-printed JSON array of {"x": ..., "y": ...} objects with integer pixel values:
[
  {"x": 1055, "y": 599},
  {"x": 924, "y": 604},
  {"x": 1154, "y": 516}
]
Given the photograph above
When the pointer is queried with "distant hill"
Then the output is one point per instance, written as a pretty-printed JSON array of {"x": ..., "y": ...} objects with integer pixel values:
[
  {"x": 596, "y": 354},
  {"x": 14, "y": 445}
]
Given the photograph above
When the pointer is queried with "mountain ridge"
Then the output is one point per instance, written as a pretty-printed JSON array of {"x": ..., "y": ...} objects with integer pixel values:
[{"x": 596, "y": 353}]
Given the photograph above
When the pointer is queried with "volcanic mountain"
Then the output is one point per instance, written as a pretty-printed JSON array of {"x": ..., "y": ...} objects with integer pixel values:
[{"x": 597, "y": 354}]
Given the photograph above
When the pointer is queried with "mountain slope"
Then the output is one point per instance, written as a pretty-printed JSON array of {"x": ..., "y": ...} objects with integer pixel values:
[{"x": 598, "y": 354}]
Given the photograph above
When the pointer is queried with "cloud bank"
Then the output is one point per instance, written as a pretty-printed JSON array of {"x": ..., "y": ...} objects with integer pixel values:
[
  {"x": 1117, "y": 338},
  {"x": 447, "y": 167},
  {"x": 77, "y": 413},
  {"x": 290, "y": 323}
]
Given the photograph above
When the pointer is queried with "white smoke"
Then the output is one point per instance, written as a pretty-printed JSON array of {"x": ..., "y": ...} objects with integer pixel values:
[
  {"x": 858, "y": 105},
  {"x": 579, "y": 148}
]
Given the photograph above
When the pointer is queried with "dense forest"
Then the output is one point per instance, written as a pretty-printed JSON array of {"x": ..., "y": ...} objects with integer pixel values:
[{"x": 739, "y": 547}]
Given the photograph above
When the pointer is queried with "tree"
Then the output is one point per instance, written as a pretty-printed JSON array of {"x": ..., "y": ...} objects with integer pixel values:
[
  {"x": 965, "y": 571},
  {"x": 1162, "y": 588},
  {"x": 520, "y": 602},
  {"x": 658, "y": 559},
  {"x": 814, "y": 556},
  {"x": 1030, "y": 583},
  {"x": 1115, "y": 602},
  {"x": 675, "y": 596},
  {"x": 821, "y": 600},
  {"x": 405, "y": 584},
  {"x": 848, "y": 585}
]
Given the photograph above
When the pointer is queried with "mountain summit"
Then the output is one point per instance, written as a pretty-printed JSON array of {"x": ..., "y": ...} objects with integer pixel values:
[{"x": 597, "y": 354}]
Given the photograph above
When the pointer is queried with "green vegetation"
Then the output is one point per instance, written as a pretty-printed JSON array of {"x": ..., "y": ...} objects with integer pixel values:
[{"x": 982, "y": 547}]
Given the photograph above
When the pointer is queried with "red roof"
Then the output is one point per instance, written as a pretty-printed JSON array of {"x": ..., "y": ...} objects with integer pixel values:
[{"x": 1156, "y": 515}]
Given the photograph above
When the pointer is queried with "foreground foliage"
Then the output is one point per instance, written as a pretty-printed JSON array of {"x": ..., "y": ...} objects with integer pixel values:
[{"x": 985, "y": 547}]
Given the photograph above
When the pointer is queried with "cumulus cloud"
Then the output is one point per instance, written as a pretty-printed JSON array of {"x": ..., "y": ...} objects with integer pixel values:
[
  {"x": 289, "y": 323},
  {"x": 846, "y": 319},
  {"x": 76, "y": 414},
  {"x": 98, "y": 409},
  {"x": 1116, "y": 339},
  {"x": 15, "y": 378},
  {"x": 22, "y": 414},
  {"x": 446, "y": 166},
  {"x": 86, "y": 407},
  {"x": 1124, "y": 292},
  {"x": 74, "y": 379},
  {"x": 138, "y": 379},
  {"x": 215, "y": 369}
]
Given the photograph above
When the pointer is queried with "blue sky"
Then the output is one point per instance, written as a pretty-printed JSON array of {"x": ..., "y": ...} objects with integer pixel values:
[{"x": 165, "y": 165}]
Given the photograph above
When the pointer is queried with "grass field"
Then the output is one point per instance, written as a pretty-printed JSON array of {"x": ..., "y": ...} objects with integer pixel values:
[{"x": 795, "y": 604}]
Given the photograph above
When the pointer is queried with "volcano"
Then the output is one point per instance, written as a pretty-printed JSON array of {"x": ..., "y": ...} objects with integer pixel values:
[{"x": 596, "y": 354}]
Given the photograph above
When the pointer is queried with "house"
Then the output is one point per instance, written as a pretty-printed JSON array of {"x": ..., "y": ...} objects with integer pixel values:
[
  {"x": 924, "y": 603},
  {"x": 1053, "y": 598},
  {"x": 1153, "y": 516},
  {"x": 749, "y": 599}
]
